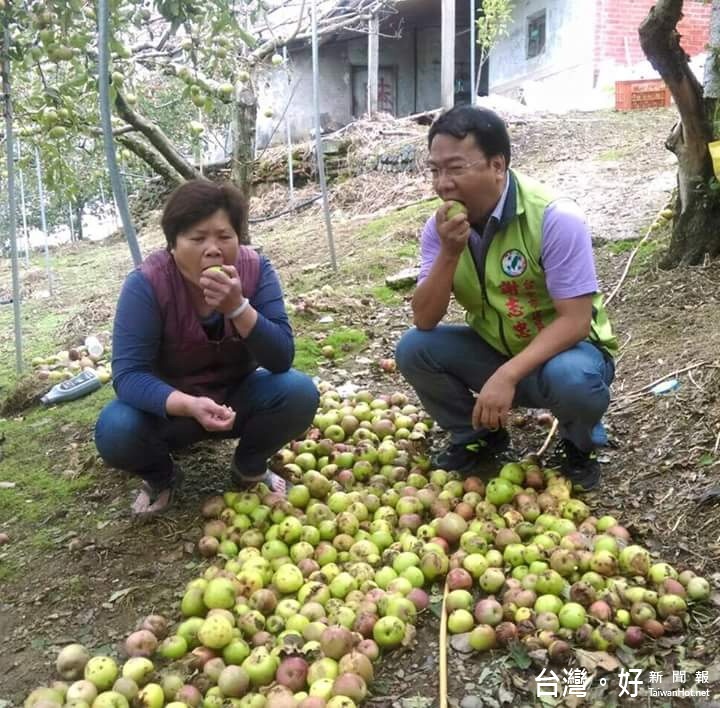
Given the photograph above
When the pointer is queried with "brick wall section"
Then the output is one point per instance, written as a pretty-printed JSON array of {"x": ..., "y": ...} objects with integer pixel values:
[{"x": 617, "y": 20}]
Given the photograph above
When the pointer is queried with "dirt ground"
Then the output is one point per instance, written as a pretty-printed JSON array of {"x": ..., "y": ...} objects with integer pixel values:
[{"x": 99, "y": 573}]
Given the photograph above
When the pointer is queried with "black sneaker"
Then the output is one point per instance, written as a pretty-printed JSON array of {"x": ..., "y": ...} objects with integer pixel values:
[
  {"x": 466, "y": 457},
  {"x": 581, "y": 468}
]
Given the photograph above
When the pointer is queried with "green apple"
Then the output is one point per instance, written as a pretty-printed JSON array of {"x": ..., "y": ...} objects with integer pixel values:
[
  {"x": 460, "y": 621},
  {"x": 288, "y": 578},
  {"x": 151, "y": 696},
  {"x": 139, "y": 669},
  {"x": 388, "y": 632},
  {"x": 220, "y": 593},
  {"x": 173, "y": 647},
  {"x": 216, "y": 632},
  {"x": 236, "y": 652},
  {"x": 111, "y": 699},
  {"x": 455, "y": 209},
  {"x": 101, "y": 671},
  {"x": 188, "y": 630},
  {"x": 260, "y": 666}
]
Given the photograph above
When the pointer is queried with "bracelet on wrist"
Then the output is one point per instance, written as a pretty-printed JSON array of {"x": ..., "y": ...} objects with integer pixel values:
[{"x": 238, "y": 310}]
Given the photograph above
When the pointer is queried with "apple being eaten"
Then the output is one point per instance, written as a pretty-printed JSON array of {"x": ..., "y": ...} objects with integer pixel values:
[{"x": 455, "y": 209}]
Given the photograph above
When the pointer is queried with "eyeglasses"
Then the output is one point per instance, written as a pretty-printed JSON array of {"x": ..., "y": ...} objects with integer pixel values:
[{"x": 434, "y": 173}]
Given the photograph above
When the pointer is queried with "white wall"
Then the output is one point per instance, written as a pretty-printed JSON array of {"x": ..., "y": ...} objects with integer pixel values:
[{"x": 565, "y": 69}]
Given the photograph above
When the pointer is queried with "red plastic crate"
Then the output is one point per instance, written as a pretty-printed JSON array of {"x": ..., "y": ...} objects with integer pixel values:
[{"x": 641, "y": 94}]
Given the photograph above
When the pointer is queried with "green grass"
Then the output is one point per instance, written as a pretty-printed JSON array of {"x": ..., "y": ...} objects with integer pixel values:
[
  {"x": 42, "y": 540},
  {"x": 611, "y": 155},
  {"x": 346, "y": 340},
  {"x": 38, "y": 330},
  {"x": 386, "y": 295},
  {"x": 648, "y": 252},
  {"x": 622, "y": 246},
  {"x": 409, "y": 250},
  {"x": 37, "y": 450},
  {"x": 385, "y": 245},
  {"x": 76, "y": 585},
  {"x": 307, "y": 354},
  {"x": 8, "y": 569},
  {"x": 409, "y": 218}
]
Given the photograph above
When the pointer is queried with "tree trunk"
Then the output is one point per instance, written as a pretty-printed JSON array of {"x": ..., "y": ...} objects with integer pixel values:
[
  {"x": 79, "y": 209},
  {"x": 696, "y": 228},
  {"x": 157, "y": 139},
  {"x": 244, "y": 148}
]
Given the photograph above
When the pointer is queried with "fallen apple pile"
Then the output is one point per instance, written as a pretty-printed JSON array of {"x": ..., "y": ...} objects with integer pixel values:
[
  {"x": 67, "y": 363},
  {"x": 305, "y": 593}
]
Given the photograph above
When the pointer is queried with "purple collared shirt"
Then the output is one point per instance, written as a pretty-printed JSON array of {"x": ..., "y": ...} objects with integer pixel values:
[{"x": 566, "y": 249}]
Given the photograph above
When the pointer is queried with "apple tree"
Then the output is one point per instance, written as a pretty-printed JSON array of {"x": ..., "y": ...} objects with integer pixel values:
[
  {"x": 181, "y": 71},
  {"x": 696, "y": 227}
]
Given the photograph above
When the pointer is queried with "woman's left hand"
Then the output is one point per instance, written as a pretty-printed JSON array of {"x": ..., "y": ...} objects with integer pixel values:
[{"x": 222, "y": 290}]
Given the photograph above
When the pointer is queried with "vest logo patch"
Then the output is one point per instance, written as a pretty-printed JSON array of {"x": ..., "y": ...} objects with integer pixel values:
[{"x": 513, "y": 263}]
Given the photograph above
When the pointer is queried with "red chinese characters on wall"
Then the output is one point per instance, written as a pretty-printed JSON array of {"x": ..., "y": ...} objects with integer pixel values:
[{"x": 386, "y": 96}]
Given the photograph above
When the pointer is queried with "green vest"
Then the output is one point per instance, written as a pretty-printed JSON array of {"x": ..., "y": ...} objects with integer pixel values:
[{"x": 512, "y": 305}]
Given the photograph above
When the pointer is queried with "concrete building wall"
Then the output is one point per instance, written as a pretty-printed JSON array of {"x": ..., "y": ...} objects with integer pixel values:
[
  {"x": 412, "y": 60},
  {"x": 569, "y": 46}
]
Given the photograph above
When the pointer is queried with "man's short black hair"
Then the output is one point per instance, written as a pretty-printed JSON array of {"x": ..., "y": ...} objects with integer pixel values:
[{"x": 486, "y": 126}]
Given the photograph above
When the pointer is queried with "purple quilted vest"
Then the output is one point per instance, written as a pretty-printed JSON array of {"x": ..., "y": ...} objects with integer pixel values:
[{"x": 187, "y": 359}]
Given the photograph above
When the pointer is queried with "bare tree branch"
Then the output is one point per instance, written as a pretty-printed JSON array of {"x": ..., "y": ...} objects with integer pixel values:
[
  {"x": 156, "y": 137},
  {"x": 151, "y": 157},
  {"x": 326, "y": 25}
]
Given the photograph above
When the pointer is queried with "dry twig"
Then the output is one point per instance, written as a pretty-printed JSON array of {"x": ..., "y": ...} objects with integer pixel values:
[
  {"x": 548, "y": 439},
  {"x": 630, "y": 259},
  {"x": 443, "y": 688},
  {"x": 652, "y": 384}
]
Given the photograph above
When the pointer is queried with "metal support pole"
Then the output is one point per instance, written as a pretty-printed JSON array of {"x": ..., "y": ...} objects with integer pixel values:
[
  {"x": 318, "y": 136},
  {"x": 23, "y": 210},
  {"x": 10, "y": 155},
  {"x": 447, "y": 58},
  {"x": 288, "y": 137},
  {"x": 373, "y": 64},
  {"x": 106, "y": 123},
  {"x": 43, "y": 221},
  {"x": 473, "y": 42}
]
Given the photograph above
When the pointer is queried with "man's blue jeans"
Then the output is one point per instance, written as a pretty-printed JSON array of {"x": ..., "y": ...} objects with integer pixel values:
[
  {"x": 444, "y": 365},
  {"x": 271, "y": 409}
]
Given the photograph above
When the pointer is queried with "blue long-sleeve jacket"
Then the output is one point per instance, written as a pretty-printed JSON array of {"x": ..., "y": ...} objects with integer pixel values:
[{"x": 138, "y": 328}]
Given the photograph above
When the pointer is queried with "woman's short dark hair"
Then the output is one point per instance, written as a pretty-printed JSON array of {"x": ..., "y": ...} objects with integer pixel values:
[
  {"x": 196, "y": 200},
  {"x": 486, "y": 126}
]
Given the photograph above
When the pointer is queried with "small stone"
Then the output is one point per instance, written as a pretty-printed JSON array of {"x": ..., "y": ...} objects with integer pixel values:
[
  {"x": 461, "y": 644},
  {"x": 403, "y": 279},
  {"x": 471, "y": 702}
]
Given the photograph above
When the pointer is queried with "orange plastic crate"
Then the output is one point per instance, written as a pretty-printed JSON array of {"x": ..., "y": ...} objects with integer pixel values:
[{"x": 641, "y": 94}]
